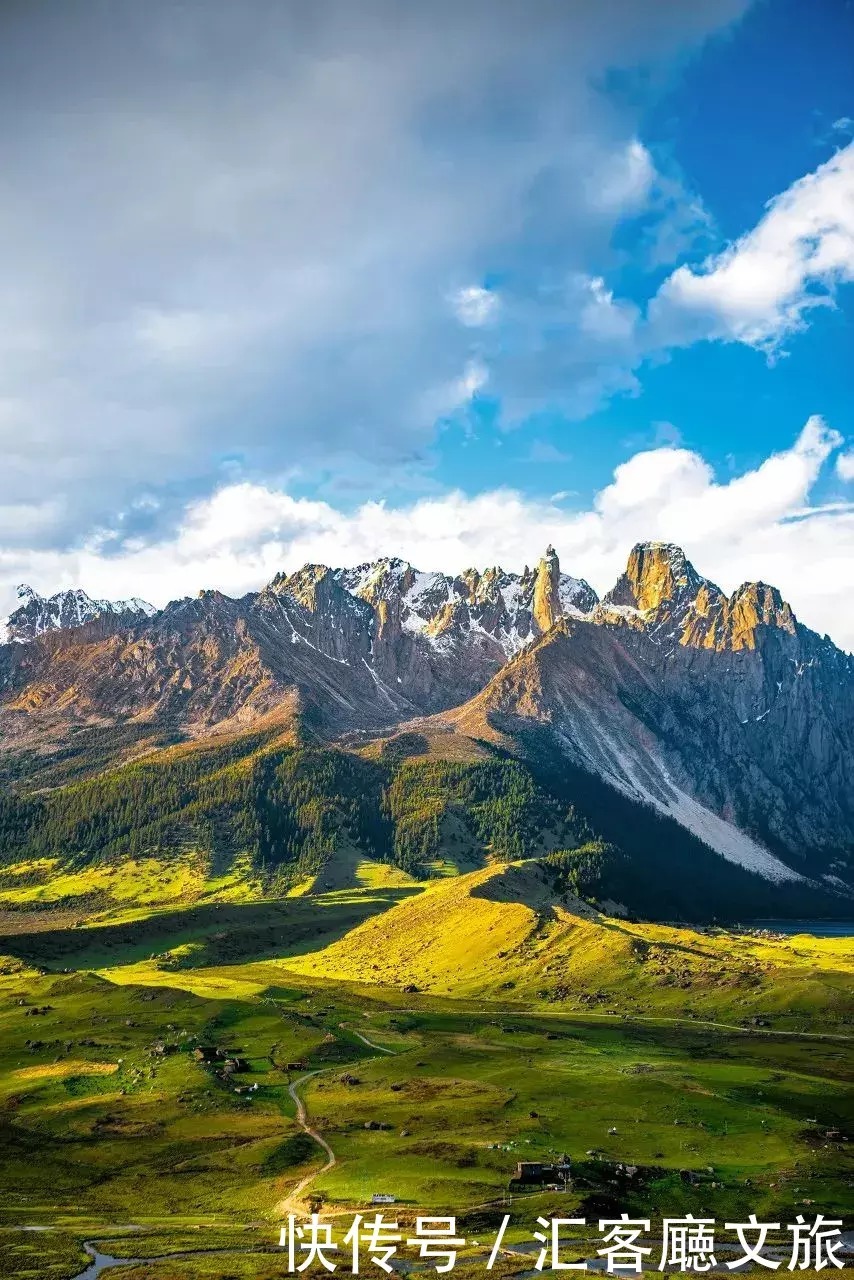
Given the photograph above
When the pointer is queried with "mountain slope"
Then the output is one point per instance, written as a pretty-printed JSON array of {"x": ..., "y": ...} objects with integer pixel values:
[
  {"x": 723, "y": 713},
  {"x": 508, "y": 933},
  {"x": 675, "y": 719}
]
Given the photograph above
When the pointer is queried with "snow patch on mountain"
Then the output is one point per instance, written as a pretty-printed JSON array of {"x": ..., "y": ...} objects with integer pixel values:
[
  {"x": 38, "y": 614},
  {"x": 448, "y": 609}
]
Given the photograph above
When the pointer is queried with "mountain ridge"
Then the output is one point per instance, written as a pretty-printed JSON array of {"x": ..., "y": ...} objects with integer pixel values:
[
  {"x": 721, "y": 712},
  {"x": 65, "y": 609}
]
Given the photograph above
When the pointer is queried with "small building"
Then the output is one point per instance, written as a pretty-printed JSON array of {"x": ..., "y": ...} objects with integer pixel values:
[
  {"x": 380, "y": 1197},
  {"x": 232, "y": 1065},
  {"x": 534, "y": 1173},
  {"x": 204, "y": 1053}
]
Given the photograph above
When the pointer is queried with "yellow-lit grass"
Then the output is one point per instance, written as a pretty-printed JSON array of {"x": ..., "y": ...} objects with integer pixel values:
[{"x": 500, "y": 933}]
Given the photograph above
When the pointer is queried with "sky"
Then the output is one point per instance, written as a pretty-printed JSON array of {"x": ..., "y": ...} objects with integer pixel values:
[{"x": 287, "y": 282}]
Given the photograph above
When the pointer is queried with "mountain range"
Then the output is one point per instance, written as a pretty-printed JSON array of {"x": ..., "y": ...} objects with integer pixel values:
[
  {"x": 37, "y": 614},
  {"x": 718, "y": 721}
]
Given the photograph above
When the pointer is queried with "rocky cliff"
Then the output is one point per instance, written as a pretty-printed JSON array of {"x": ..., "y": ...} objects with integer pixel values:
[{"x": 352, "y": 649}]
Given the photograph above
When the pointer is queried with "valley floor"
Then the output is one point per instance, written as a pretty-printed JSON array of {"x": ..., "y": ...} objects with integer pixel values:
[{"x": 412, "y": 1042}]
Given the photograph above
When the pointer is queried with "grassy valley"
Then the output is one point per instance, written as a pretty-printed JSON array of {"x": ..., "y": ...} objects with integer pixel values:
[
  {"x": 455, "y": 1027},
  {"x": 421, "y": 948}
]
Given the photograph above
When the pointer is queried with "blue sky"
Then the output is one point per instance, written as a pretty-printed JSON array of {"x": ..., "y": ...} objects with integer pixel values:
[
  {"x": 441, "y": 281},
  {"x": 751, "y": 113}
]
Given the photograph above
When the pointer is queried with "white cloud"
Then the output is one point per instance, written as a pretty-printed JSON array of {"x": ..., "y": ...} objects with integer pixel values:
[
  {"x": 475, "y": 306},
  {"x": 460, "y": 391},
  {"x": 761, "y": 288},
  {"x": 845, "y": 465},
  {"x": 624, "y": 179},
  {"x": 603, "y": 317},
  {"x": 759, "y": 525},
  {"x": 676, "y": 488}
]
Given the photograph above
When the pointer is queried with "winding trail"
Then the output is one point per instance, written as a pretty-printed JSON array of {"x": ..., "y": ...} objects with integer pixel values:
[
  {"x": 364, "y": 1039},
  {"x": 291, "y": 1202}
]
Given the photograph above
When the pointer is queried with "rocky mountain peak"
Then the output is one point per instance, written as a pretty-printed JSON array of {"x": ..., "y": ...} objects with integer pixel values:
[
  {"x": 303, "y": 586},
  {"x": 658, "y": 574},
  {"x": 547, "y": 606},
  {"x": 491, "y": 610},
  {"x": 671, "y": 601},
  {"x": 37, "y": 614},
  {"x": 755, "y": 605},
  {"x": 386, "y": 579}
]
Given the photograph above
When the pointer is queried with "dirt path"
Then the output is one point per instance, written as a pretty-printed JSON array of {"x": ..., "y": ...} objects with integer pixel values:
[
  {"x": 364, "y": 1039},
  {"x": 291, "y": 1203}
]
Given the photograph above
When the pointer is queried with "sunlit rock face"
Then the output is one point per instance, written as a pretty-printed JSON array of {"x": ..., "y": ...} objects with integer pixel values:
[
  {"x": 547, "y": 605},
  {"x": 657, "y": 576}
]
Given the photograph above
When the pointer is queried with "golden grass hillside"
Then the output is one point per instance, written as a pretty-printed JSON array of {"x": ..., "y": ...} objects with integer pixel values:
[{"x": 502, "y": 933}]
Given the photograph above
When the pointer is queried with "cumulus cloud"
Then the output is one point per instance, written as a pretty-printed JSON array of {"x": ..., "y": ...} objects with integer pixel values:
[
  {"x": 761, "y": 288},
  {"x": 763, "y": 524},
  {"x": 845, "y": 465}
]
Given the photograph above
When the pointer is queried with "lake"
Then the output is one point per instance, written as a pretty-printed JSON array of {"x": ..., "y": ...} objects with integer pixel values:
[{"x": 818, "y": 928}]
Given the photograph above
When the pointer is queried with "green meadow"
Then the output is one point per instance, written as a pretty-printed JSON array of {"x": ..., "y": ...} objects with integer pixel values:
[{"x": 431, "y": 1057}]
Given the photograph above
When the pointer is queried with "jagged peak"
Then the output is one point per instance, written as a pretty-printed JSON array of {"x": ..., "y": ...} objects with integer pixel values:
[
  {"x": 759, "y": 590},
  {"x": 547, "y": 606},
  {"x": 215, "y": 596},
  {"x": 513, "y": 607},
  {"x": 27, "y": 593},
  {"x": 306, "y": 571},
  {"x": 70, "y": 607},
  {"x": 759, "y": 604},
  {"x": 133, "y": 604},
  {"x": 657, "y": 573},
  {"x": 303, "y": 583},
  {"x": 315, "y": 587},
  {"x": 376, "y": 578}
]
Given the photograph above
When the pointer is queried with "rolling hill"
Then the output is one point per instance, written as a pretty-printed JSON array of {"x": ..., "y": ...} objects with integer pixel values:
[{"x": 513, "y": 934}]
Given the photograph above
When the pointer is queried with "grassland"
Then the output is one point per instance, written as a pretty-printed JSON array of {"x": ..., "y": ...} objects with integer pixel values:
[
  {"x": 471, "y": 1023},
  {"x": 502, "y": 934}
]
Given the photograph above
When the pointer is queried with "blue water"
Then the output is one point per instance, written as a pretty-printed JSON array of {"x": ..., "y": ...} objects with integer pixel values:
[{"x": 818, "y": 928}]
